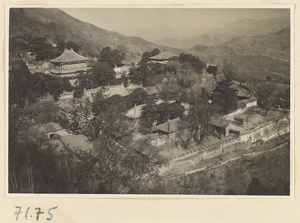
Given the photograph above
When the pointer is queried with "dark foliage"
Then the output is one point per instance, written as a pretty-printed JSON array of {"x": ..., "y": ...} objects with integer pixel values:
[
  {"x": 146, "y": 56},
  {"x": 24, "y": 86},
  {"x": 147, "y": 74},
  {"x": 68, "y": 45},
  {"x": 224, "y": 97},
  {"x": 78, "y": 92},
  {"x": 112, "y": 57},
  {"x": 137, "y": 97},
  {"x": 102, "y": 73},
  {"x": 212, "y": 69},
  {"x": 265, "y": 95},
  {"x": 195, "y": 62},
  {"x": 158, "y": 113}
]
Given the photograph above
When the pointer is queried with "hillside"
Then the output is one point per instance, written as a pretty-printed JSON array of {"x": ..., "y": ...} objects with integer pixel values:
[
  {"x": 275, "y": 45},
  {"x": 56, "y": 25},
  {"x": 257, "y": 56},
  {"x": 241, "y": 28},
  {"x": 198, "y": 48},
  {"x": 252, "y": 27},
  {"x": 207, "y": 39}
]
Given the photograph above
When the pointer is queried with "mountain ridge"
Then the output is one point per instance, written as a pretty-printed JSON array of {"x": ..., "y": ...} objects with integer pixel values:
[
  {"x": 243, "y": 27},
  {"x": 257, "y": 56},
  {"x": 57, "y": 25}
]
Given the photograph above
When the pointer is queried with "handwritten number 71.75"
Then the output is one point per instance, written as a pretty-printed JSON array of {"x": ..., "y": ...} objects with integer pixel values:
[{"x": 38, "y": 212}]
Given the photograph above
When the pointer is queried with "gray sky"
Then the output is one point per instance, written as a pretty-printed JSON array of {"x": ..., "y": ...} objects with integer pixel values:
[{"x": 157, "y": 23}]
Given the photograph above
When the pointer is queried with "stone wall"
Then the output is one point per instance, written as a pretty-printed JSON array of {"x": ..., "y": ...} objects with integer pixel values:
[
  {"x": 265, "y": 132},
  {"x": 268, "y": 130}
]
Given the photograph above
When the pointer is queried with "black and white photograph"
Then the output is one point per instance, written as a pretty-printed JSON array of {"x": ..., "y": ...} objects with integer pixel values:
[{"x": 150, "y": 101}]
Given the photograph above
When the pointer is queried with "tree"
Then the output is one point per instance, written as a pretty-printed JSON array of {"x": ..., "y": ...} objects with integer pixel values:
[
  {"x": 200, "y": 114},
  {"x": 42, "y": 49},
  {"x": 169, "y": 89},
  {"x": 77, "y": 171},
  {"x": 224, "y": 97},
  {"x": 103, "y": 73},
  {"x": 194, "y": 61},
  {"x": 212, "y": 70},
  {"x": 146, "y": 56},
  {"x": 53, "y": 86},
  {"x": 25, "y": 87},
  {"x": 78, "y": 92},
  {"x": 68, "y": 45},
  {"x": 147, "y": 74},
  {"x": 168, "y": 111},
  {"x": 135, "y": 75},
  {"x": 109, "y": 117},
  {"x": 137, "y": 97},
  {"x": 75, "y": 115},
  {"x": 158, "y": 113},
  {"x": 112, "y": 57},
  {"x": 43, "y": 112},
  {"x": 32, "y": 164},
  {"x": 148, "y": 116},
  {"x": 114, "y": 105},
  {"x": 184, "y": 139},
  {"x": 122, "y": 169},
  {"x": 265, "y": 95},
  {"x": 198, "y": 120},
  {"x": 105, "y": 116},
  {"x": 32, "y": 169},
  {"x": 65, "y": 84},
  {"x": 153, "y": 73}
]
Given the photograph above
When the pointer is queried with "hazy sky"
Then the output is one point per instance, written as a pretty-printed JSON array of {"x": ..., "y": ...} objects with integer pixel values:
[{"x": 157, "y": 23}]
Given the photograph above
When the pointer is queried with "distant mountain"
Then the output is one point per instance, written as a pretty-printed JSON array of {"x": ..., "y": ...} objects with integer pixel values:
[
  {"x": 56, "y": 25},
  {"x": 256, "y": 56},
  {"x": 241, "y": 28},
  {"x": 275, "y": 45},
  {"x": 252, "y": 27},
  {"x": 198, "y": 48},
  {"x": 175, "y": 42},
  {"x": 207, "y": 39}
]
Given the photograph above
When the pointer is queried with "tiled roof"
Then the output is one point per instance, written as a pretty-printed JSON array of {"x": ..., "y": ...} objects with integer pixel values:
[
  {"x": 171, "y": 126},
  {"x": 69, "y": 56},
  {"x": 116, "y": 89},
  {"x": 162, "y": 56},
  {"x": 110, "y": 91},
  {"x": 151, "y": 90},
  {"x": 219, "y": 121}
]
